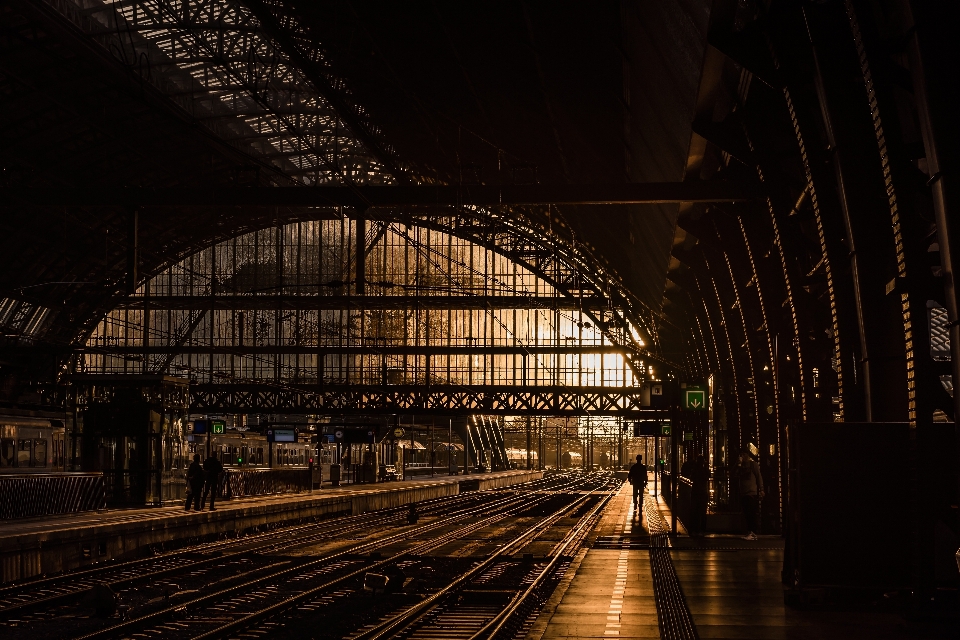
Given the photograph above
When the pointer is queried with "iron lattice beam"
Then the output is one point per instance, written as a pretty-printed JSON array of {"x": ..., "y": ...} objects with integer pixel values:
[
  {"x": 213, "y": 60},
  {"x": 280, "y": 21},
  {"x": 389, "y": 196},
  {"x": 369, "y": 302},
  {"x": 349, "y": 350},
  {"x": 419, "y": 399}
]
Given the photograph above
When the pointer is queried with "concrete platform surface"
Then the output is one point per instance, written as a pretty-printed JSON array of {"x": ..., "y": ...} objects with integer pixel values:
[
  {"x": 731, "y": 588},
  {"x": 608, "y": 593}
]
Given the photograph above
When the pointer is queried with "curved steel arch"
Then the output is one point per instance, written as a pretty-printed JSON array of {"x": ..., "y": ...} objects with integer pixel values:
[
  {"x": 127, "y": 27},
  {"x": 613, "y": 325},
  {"x": 585, "y": 272},
  {"x": 547, "y": 257}
]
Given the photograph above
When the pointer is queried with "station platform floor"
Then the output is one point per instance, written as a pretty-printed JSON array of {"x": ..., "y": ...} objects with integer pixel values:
[
  {"x": 638, "y": 582},
  {"x": 43, "y": 545}
]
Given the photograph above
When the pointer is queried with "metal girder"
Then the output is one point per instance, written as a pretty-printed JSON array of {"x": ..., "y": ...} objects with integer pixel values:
[
  {"x": 215, "y": 59},
  {"x": 281, "y": 22},
  {"x": 419, "y": 399},
  {"x": 749, "y": 49},
  {"x": 336, "y": 302},
  {"x": 393, "y": 350},
  {"x": 389, "y": 195},
  {"x": 566, "y": 269},
  {"x": 728, "y": 137}
]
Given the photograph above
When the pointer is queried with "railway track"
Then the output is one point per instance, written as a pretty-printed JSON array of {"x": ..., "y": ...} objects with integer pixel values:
[
  {"x": 247, "y": 602},
  {"x": 451, "y": 613},
  {"x": 514, "y": 585},
  {"x": 259, "y": 596},
  {"x": 20, "y": 598}
]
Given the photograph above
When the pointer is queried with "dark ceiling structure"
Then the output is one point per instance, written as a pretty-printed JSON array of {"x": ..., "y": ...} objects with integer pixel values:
[
  {"x": 111, "y": 96},
  {"x": 101, "y": 97},
  {"x": 766, "y": 188},
  {"x": 200, "y": 95}
]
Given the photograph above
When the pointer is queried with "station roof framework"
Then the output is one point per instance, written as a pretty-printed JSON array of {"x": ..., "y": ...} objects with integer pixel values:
[
  {"x": 761, "y": 192},
  {"x": 817, "y": 301},
  {"x": 293, "y": 307},
  {"x": 228, "y": 71}
]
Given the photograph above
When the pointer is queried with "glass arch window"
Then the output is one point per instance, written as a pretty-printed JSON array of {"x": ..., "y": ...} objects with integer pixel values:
[{"x": 284, "y": 305}]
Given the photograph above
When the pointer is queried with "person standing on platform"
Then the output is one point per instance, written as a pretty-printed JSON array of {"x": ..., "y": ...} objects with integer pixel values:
[
  {"x": 638, "y": 478},
  {"x": 751, "y": 492},
  {"x": 194, "y": 483},
  {"x": 699, "y": 495},
  {"x": 211, "y": 471}
]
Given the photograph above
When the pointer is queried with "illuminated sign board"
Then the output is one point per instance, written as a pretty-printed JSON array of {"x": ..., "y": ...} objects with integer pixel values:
[
  {"x": 694, "y": 398},
  {"x": 646, "y": 428},
  {"x": 281, "y": 435}
]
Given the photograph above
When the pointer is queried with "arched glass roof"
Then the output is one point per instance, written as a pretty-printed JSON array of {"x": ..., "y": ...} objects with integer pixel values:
[{"x": 284, "y": 305}]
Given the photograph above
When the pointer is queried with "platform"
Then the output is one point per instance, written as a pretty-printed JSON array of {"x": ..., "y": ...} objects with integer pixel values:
[
  {"x": 631, "y": 584},
  {"x": 35, "y": 546}
]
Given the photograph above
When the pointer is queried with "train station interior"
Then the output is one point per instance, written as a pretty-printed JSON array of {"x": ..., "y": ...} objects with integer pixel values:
[{"x": 529, "y": 320}]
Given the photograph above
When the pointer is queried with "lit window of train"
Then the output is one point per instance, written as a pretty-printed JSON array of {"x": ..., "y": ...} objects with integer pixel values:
[
  {"x": 31, "y": 445},
  {"x": 251, "y": 450}
]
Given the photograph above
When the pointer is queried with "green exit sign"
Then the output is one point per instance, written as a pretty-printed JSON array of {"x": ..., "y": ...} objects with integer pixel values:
[
  {"x": 664, "y": 429},
  {"x": 694, "y": 398},
  {"x": 217, "y": 426}
]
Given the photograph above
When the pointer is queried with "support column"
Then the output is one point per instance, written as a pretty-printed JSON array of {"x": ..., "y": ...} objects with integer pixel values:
[
  {"x": 938, "y": 128},
  {"x": 133, "y": 250},
  {"x": 674, "y": 463},
  {"x": 529, "y": 465},
  {"x": 539, "y": 444},
  {"x": 361, "y": 231}
]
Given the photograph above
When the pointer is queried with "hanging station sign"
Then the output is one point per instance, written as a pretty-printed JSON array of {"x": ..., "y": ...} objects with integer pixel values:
[
  {"x": 695, "y": 398},
  {"x": 281, "y": 435}
]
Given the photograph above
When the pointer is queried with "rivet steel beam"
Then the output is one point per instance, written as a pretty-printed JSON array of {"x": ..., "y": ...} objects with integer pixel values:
[
  {"x": 336, "y": 302},
  {"x": 421, "y": 399},
  {"x": 324, "y": 350},
  {"x": 388, "y": 196}
]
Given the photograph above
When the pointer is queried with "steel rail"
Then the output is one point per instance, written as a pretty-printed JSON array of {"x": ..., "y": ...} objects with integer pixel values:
[
  {"x": 290, "y": 602},
  {"x": 139, "y": 622},
  {"x": 88, "y": 577},
  {"x": 398, "y": 623},
  {"x": 493, "y": 628},
  {"x": 213, "y": 545},
  {"x": 507, "y": 503},
  {"x": 273, "y": 545}
]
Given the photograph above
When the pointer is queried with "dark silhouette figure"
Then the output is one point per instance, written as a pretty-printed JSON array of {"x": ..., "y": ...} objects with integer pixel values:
[
  {"x": 211, "y": 471},
  {"x": 194, "y": 483},
  {"x": 751, "y": 491},
  {"x": 699, "y": 495},
  {"x": 638, "y": 478}
]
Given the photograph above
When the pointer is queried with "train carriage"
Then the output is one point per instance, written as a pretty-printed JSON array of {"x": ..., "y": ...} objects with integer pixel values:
[
  {"x": 32, "y": 445},
  {"x": 250, "y": 450}
]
